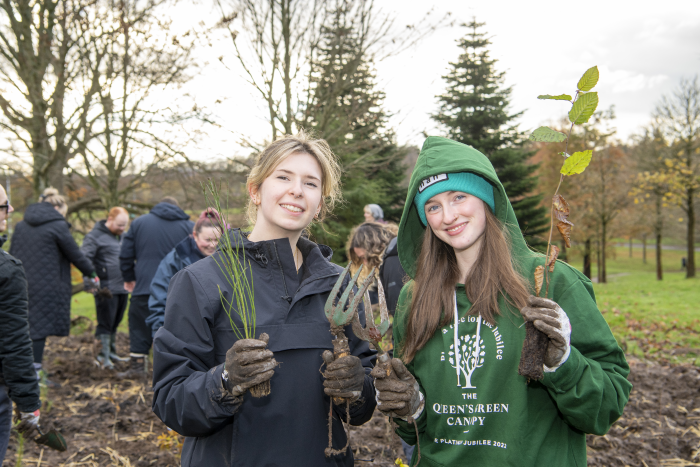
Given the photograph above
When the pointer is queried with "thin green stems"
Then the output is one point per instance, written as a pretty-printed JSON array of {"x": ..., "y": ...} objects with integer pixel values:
[{"x": 233, "y": 263}]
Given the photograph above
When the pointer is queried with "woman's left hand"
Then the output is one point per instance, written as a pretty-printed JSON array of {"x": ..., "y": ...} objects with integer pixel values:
[
  {"x": 549, "y": 318},
  {"x": 345, "y": 376}
]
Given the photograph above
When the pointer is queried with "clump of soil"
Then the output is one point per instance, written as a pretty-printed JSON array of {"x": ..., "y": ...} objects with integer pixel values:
[{"x": 661, "y": 422}]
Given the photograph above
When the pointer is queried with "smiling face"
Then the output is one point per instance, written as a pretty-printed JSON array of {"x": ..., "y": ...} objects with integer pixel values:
[
  {"x": 289, "y": 198},
  {"x": 458, "y": 219},
  {"x": 4, "y": 211},
  {"x": 207, "y": 239}
]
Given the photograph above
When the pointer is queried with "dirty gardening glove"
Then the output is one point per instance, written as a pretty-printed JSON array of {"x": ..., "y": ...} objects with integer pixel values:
[
  {"x": 28, "y": 425},
  {"x": 345, "y": 376},
  {"x": 398, "y": 393},
  {"x": 91, "y": 284},
  {"x": 549, "y": 318},
  {"x": 248, "y": 363}
]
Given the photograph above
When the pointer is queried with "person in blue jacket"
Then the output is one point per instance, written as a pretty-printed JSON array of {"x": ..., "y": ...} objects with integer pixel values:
[
  {"x": 199, "y": 245},
  {"x": 149, "y": 239}
]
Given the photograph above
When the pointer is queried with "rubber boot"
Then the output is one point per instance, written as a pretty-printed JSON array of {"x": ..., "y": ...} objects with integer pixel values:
[
  {"x": 41, "y": 377},
  {"x": 103, "y": 357},
  {"x": 136, "y": 369},
  {"x": 113, "y": 350}
]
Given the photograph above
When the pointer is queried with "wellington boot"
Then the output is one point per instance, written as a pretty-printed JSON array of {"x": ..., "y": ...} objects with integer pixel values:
[
  {"x": 103, "y": 357},
  {"x": 113, "y": 350},
  {"x": 136, "y": 369}
]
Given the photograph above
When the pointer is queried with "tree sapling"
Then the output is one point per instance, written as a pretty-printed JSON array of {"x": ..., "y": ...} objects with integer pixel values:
[{"x": 583, "y": 105}]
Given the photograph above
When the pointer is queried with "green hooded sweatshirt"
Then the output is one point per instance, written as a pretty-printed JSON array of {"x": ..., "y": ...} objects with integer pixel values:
[{"x": 478, "y": 410}]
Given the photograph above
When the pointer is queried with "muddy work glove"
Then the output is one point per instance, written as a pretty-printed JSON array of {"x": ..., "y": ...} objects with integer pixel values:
[
  {"x": 91, "y": 284},
  {"x": 549, "y": 318},
  {"x": 248, "y": 363},
  {"x": 398, "y": 393},
  {"x": 345, "y": 376},
  {"x": 28, "y": 425}
]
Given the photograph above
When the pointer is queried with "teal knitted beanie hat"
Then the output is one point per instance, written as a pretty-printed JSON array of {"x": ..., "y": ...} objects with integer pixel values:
[{"x": 465, "y": 182}]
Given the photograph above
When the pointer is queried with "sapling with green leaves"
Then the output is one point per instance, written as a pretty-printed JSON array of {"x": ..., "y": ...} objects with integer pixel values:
[
  {"x": 583, "y": 105},
  {"x": 233, "y": 264}
]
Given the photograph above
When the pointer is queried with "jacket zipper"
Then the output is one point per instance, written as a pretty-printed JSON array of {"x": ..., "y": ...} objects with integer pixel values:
[{"x": 284, "y": 282}]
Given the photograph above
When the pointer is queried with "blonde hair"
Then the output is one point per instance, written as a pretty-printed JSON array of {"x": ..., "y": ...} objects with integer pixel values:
[
  {"x": 301, "y": 143},
  {"x": 52, "y": 197}
]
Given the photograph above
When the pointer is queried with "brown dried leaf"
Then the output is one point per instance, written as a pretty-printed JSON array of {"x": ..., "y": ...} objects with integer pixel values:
[
  {"x": 553, "y": 255},
  {"x": 565, "y": 231},
  {"x": 539, "y": 279},
  {"x": 561, "y": 208}
]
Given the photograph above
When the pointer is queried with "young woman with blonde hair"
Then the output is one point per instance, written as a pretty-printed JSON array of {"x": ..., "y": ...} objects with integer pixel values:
[
  {"x": 459, "y": 330},
  {"x": 202, "y": 373}
]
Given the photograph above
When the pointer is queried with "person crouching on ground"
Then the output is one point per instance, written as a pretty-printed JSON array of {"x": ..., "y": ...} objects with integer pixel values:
[
  {"x": 18, "y": 382},
  {"x": 101, "y": 246},
  {"x": 459, "y": 330},
  {"x": 294, "y": 181},
  {"x": 199, "y": 245}
]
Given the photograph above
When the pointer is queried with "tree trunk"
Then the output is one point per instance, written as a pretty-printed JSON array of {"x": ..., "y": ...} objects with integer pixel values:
[
  {"x": 587, "y": 259},
  {"x": 690, "y": 264},
  {"x": 602, "y": 276},
  {"x": 630, "y": 246},
  {"x": 659, "y": 270},
  {"x": 644, "y": 248},
  {"x": 597, "y": 254}
]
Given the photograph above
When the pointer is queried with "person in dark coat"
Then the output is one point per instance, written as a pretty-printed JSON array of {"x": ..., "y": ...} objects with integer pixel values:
[
  {"x": 44, "y": 244},
  {"x": 144, "y": 246},
  {"x": 18, "y": 383},
  {"x": 392, "y": 275},
  {"x": 202, "y": 371},
  {"x": 101, "y": 246},
  {"x": 199, "y": 245}
]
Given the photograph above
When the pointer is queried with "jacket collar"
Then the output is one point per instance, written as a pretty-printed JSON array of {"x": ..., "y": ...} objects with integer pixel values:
[
  {"x": 188, "y": 248},
  {"x": 3, "y": 239}
]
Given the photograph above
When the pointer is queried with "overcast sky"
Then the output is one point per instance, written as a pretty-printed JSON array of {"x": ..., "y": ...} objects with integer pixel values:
[{"x": 641, "y": 48}]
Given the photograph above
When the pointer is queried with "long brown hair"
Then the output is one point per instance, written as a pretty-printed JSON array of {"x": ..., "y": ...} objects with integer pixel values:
[
  {"x": 373, "y": 238},
  {"x": 437, "y": 273}
]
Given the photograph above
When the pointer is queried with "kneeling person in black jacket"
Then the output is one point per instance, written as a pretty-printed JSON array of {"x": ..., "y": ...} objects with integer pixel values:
[{"x": 18, "y": 381}]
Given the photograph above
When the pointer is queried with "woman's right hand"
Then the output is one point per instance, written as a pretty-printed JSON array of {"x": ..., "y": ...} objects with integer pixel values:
[
  {"x": 398, "y": 393},
  {"x": 248, "y": 363}
]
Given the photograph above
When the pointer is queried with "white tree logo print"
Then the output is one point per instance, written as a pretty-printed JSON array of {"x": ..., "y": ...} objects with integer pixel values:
[{"x": 466, "y": 355}]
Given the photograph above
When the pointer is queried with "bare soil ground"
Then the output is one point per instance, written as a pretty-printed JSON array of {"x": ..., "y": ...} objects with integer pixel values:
[{"x": 107, "y": 422}]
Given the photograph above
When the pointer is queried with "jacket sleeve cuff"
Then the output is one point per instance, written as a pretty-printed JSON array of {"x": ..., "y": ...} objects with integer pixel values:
[
  {"x": 129, "y": 275},
  {"x": 567, "y": 375},
  {"x": 219, "y": 395},
  {"x": 362, "y": 410}
]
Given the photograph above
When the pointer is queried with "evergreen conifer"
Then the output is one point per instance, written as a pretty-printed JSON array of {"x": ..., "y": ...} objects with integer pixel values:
[
  {"x": 475, "y": 112},
  {"x": 345, "y": 108}
]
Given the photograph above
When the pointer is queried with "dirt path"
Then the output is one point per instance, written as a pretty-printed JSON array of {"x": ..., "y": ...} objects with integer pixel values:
[{"x": 109, "y": 423}]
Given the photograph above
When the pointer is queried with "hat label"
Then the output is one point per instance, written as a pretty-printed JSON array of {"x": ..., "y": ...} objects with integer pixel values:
[{"x": 431, "y": 181}]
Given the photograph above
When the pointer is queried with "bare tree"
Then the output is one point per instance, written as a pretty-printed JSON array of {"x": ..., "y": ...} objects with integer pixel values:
[
  {"x": 283, "y": 39},
  {"x": 49, "y": 78},
  {"x": 679, "y": 116},
  {"x": 132, "y": 130}
]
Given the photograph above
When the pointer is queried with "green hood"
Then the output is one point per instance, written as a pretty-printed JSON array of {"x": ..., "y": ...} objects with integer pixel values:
[{"x": 442, "y": 155}]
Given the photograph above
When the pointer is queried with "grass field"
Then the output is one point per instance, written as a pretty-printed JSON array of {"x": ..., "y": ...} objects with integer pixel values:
[{"x": 650, "y": 318}]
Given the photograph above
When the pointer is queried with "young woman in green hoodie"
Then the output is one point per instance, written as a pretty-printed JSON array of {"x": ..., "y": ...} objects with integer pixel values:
[{"x": 459, "y": 330}]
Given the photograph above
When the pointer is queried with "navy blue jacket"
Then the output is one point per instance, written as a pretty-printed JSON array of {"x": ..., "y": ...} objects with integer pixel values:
[
  {"x": 184, "y": 254},
  {"x": 148, "y": 240},
  {"x": 290, "y": 426},
  {"x": 44, "y": 244}
]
